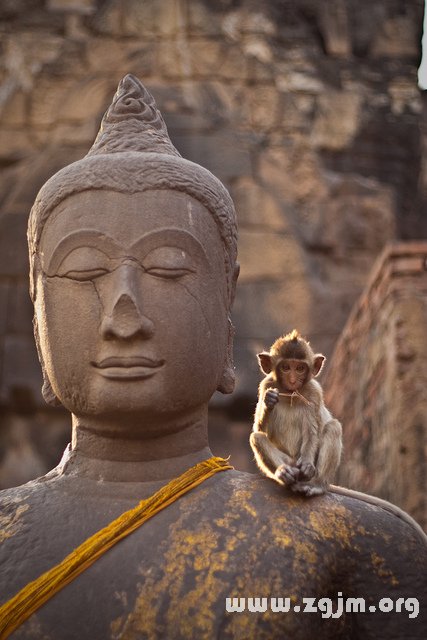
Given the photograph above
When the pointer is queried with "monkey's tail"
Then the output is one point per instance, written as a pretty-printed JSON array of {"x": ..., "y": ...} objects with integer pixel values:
[{"x": 379, "y": 502}]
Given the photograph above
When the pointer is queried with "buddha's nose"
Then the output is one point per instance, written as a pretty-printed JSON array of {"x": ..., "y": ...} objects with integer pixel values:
[{"x": 124, "y": 317}]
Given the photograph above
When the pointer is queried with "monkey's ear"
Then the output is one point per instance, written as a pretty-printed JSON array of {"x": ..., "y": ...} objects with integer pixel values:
[
  {"x": 319, "y": 361},
  {"x": 264, "y": 361}
]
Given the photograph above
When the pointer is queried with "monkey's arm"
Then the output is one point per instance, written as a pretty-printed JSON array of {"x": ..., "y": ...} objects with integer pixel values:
[
  {"x": 267, "y": 400},
  {"x": 309, "y": 445},
  {"x": 272, "y": 461}
]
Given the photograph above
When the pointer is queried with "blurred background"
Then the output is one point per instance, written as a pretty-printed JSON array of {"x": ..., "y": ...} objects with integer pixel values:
[{"x": 311, "y": 114}]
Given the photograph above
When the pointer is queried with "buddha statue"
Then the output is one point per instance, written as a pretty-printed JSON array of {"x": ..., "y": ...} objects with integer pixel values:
[{"x": 133, "y": 272}]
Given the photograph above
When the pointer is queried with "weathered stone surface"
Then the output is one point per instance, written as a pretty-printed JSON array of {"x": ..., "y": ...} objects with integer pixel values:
[
  {"x": 15, "y": 145},
  {"x": 14, "y": 113},
  {"x": 397, "y": 37},
  {"x": 293, "y": 171},
  {"x": 78, "y": 6},
  {"x": 337, "y": 119},
  {"x": 288, "y": 304},
  {"x": 376, "y": 382},
  {"x": 257, "y": 207},
  {"x": 223, "y": 153},
  {"x": 70, "y": 102},
  {"x": 24, "y": 180},
  {"x": 266, "y": 255},
  {"x": 334, "y": 24},
  {"x": 263, "y": 108}
]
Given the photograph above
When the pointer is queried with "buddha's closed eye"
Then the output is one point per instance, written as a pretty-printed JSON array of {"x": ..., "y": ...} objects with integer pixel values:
[
  {"x": 85, "y": 264},
  {"x": 168, "y": 262}
]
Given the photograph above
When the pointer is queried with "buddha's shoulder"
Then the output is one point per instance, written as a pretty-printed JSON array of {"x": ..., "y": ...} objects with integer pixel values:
[{"x": 339, "y": 512}]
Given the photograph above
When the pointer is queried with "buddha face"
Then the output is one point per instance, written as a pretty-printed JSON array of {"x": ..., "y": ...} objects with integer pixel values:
[{"x": 131, "y": 303}]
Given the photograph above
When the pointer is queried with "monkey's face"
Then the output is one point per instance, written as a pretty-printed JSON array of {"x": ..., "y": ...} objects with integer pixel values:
[
  {"x": 131, "y": 304},
  {"x": 292, "y": 374}
]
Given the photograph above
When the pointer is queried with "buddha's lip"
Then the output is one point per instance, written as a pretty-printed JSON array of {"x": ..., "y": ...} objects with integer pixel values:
[{"x": 127, "y": 362}]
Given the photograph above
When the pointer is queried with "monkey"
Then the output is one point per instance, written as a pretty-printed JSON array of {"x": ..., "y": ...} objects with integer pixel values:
[{"x": 295, "y": 439}]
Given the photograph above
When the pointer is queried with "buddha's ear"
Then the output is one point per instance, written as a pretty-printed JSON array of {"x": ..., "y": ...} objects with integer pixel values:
[
  {"x": 236, "y": 272},
  {"x": 228, "y": 377},
  {"x": 47, "y": 392}
]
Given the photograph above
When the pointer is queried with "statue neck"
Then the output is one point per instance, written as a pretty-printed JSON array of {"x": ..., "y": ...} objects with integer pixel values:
[{"x": 136, "y": 453}]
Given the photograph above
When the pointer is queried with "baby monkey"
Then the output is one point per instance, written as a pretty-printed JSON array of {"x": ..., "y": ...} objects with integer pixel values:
[{"x": 295, "y": 439}]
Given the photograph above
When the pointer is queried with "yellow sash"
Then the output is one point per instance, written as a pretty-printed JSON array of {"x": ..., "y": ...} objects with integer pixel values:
[{"x": 19, "y": 608}]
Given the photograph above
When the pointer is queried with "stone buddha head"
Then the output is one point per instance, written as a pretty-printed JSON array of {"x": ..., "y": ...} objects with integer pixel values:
[{"x": 133, "y": 271}]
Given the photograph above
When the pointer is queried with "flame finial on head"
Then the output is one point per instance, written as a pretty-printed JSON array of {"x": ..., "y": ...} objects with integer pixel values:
[{"x": 132, "y": 123}]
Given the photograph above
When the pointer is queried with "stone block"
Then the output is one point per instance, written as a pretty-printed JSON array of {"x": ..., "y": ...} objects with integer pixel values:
[
  {"x": 265, "y": 310},
  {"x": 269, "y": 255},
  {"x": 85, "y": 99},
  {"x": 359, "y": 215},
  {"x": 224, "y": 153},
  {"x": 108, "y": 20},
  {"x": 258, "y": 23},
  {"x": 24, "y": 57},
  {"x": 32, "y": 173},
  {"x": 74, "y": 134},
  {"x": 14, "y": 113},
  {"x": 174, "y": 60},
  {"x": 15, "y": 144},
  {"x": 263, "y": 104},
  {"x": 397, "y": 38},
  {"x": 334, "y": 25},
  {"x": 207, "y": 56},
  {"x": 234, "y": 65},
  {"x": 337, "y": 119},
  {"x": 257, "y": 207},
  {"x": 296, "y": 112},
  {"x": 68, "y": 101},
  {"x": 105, "y": 53},
  {"x": 48, "y": 101},
  {"x": 211, "y": 58},
  {"x": 192, "y": 106},
  {"x": 292, "y": 170},
  {"x": 405, "y": 95},
  {"x": 85, "y": 7},
  {"x": 140, "y": 18},
  {"x": 202, "y": 20},
  {"x": 13, "y": 245}
]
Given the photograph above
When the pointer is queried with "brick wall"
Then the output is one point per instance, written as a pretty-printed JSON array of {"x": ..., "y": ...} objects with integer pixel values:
[{"x": 377, "y": 382}]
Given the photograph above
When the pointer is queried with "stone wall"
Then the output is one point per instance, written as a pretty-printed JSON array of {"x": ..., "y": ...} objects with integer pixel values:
[
  {"x": 377, "y": 380},
  {"x": 308, "y": 111}
]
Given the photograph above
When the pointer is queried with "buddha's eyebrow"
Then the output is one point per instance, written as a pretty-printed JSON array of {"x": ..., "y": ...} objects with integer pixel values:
[
  {"x": 82, "y": 238},
  {"x": 171, "y": 237}
]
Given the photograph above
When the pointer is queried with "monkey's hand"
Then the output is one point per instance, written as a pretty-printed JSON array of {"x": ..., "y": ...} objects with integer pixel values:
[
  {"x": 306, "y": 469},
  {"x": 287, "y": 474},
  {"x": 271, "y": 398}
]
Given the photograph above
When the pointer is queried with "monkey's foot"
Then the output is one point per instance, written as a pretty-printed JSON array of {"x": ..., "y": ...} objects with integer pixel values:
[
  {"x": 308, "y": 489},
  {"x": 287, "y": 474}
]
